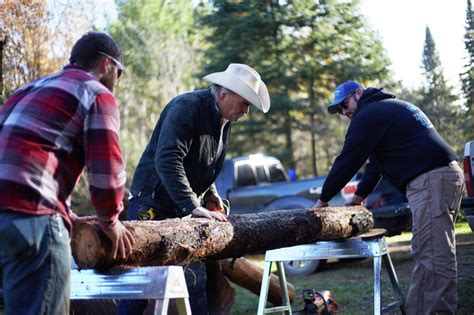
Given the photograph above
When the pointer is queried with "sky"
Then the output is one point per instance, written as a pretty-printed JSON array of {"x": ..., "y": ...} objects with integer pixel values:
[{"x": 401, "y": 25}]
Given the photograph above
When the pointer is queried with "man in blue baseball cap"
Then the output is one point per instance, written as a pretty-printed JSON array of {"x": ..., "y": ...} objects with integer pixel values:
[
  {"x": 403, "y": 146},
  {"x": 342, "y": 94}
]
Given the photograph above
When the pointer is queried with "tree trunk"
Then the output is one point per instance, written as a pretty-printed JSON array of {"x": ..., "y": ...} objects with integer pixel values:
[
  {"x": 249, "y": 276},
  {"x": 181, "y": 241}
]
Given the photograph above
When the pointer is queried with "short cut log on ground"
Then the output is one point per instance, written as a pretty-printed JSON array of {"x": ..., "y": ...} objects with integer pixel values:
[
  {"x": 183, "y": 241},
  {"x": 248, "y": 275}
]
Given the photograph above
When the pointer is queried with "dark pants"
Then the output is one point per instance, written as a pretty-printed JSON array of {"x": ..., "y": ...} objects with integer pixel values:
[{"x": 194, "y": 274}]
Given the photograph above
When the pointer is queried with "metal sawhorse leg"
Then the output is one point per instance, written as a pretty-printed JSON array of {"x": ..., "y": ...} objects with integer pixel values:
[
  {"x": 154, "y": 283},
  {"x": 374, "y": 246}
]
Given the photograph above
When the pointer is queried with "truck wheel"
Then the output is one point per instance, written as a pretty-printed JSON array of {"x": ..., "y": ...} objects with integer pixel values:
[{"x": 302, "y": 267}]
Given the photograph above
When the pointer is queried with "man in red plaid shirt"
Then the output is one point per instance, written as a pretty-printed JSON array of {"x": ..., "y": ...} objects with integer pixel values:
[{"x": 50, "y": 130}]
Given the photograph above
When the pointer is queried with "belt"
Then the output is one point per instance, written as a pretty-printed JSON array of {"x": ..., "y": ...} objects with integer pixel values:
[{"x": 452, "y": 163}]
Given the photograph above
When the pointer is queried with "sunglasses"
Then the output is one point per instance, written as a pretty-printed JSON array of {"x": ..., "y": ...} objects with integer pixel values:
[
  {"x": 115, "y": 62},
  {"x": 344, "y": 104}
]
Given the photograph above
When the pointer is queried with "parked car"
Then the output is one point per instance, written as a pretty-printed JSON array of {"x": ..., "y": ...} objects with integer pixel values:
[{"x": 259, "y": 183}]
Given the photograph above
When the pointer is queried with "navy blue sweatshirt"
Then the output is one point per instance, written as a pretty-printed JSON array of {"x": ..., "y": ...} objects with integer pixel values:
[{"x": 398, "y": 139}]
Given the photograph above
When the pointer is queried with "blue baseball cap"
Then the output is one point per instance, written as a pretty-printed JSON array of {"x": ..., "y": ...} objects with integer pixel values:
[{"x": 342, "y": 92}]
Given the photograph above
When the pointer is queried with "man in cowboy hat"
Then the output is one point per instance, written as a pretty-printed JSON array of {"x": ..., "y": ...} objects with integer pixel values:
[{"x": 176, "y": 173}]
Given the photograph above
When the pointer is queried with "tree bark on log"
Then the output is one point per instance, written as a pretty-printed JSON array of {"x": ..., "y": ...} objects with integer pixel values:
[
  {"x": 181, "y": 241},
  {"x": 249, "y": 276}
]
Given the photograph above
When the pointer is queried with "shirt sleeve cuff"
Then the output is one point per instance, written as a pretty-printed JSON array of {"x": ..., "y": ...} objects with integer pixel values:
[
  {"x": 189, "y": 207},
  {"x": 108, "y": 222}
]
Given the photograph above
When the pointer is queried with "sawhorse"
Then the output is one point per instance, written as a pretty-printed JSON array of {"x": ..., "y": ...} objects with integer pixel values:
[
  {"x": 371, "y": 244},
  {"x": 160, "y": 284}
]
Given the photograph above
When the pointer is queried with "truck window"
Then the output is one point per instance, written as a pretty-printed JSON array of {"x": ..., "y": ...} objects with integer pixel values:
[
  {"x": 277, "y": 174},
  {"x": 261, "y": 174},
  {"x": 245, "y": 176}
]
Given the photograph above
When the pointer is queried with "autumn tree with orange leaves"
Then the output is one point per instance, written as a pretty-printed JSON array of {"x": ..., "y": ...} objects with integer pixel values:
[
  {"x": 26, "y": 37},
  {"x": 37, "y": 36}
]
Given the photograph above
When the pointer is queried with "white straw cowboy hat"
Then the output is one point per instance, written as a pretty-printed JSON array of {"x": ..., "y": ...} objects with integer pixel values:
[{"x": 244, "y": 81}]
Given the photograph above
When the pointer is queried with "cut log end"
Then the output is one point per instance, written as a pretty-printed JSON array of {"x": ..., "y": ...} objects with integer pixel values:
[{"x": 86, "y": 246}]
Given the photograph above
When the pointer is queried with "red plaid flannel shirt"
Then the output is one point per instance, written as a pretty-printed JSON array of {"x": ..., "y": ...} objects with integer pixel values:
[{"x": 52, "y": 129}]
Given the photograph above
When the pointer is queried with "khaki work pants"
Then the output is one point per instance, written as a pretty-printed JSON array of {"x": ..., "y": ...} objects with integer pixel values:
[{"x": 434, "y": 198}]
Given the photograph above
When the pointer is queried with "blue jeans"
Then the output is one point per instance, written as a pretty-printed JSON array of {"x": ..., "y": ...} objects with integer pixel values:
[{"x": 34, "y": 264}]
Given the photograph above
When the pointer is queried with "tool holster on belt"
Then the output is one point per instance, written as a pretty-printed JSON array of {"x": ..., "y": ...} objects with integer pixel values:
[{"x": 146, "y": 214}]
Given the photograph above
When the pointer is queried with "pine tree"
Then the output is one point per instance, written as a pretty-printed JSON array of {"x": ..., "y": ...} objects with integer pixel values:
[
  {"x": 251, "y": 32},
  {"x": 467, "y": 77},
  {"x": 438, "y": 99},
  {"x": 302, "y": 49}
]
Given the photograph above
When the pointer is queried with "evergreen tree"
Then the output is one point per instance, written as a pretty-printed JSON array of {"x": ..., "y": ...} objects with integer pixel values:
[
  {"x": 338, "y": 47},
  {"x": 438, "y": 99},
  {"x": 251, "y": 32},
  {"x": 302, "y": 49},
  {"x": 467, "y": 78}
]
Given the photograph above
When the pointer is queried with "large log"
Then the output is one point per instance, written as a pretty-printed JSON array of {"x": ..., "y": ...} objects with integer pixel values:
[{"x": 181, "y": 241}]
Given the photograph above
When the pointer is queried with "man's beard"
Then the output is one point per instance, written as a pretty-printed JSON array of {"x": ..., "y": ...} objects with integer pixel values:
[{"x": 108, "y": 81}]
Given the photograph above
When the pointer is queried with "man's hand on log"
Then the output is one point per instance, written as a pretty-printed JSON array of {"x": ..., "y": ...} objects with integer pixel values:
[
  {"x": 201, "y": 212},
  {"x": 213, "y": 203},
  {"x": 354, "y": 201},
  {"x": 320, "y": 204},
  {"x": 122, "y": 239}
]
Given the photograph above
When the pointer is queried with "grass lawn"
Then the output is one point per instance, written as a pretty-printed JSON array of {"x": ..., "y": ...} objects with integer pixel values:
[{"x": 351, "y": 282}]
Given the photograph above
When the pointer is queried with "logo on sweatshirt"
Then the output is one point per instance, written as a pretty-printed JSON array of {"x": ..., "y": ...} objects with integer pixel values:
[{"x": 420, "y": 116}]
